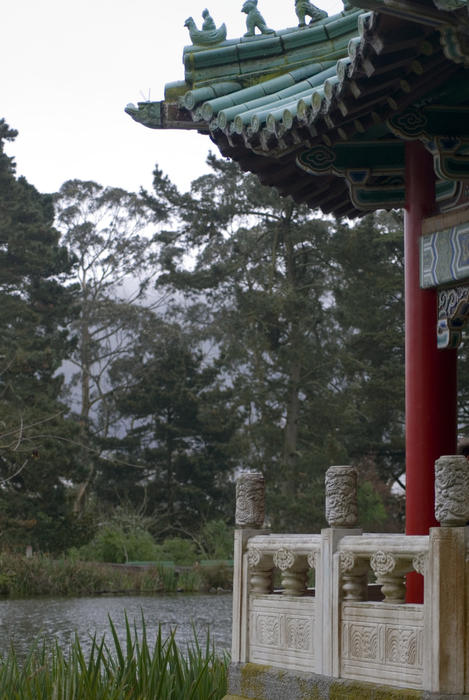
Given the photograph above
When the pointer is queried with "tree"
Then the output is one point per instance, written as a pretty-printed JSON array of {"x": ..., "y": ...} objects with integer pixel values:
[
  {"x": 36, "y": 307},
  {"x": 259, "y": 282},
  {"x": 275, "y": 288},
  {"x": 368, "y": 290},
  {"x": 180, "y": 430},
  {"x": 106, "y": 229}
]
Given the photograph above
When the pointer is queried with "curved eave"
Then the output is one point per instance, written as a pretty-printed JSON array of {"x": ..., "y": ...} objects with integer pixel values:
[{"x": 385, "y": 66}]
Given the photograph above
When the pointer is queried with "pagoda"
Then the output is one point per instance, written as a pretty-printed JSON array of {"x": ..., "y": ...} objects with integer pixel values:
[{"x": 363, "y": 110}]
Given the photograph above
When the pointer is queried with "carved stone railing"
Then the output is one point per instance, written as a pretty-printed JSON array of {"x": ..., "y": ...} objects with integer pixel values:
[
  {"x": 388, "y": 557},
  {"x": 355, "y": 624},
  {"x": 293, "y": 555}
]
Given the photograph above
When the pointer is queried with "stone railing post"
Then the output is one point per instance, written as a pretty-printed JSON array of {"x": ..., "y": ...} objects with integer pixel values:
[
  {"x": 250, "y": 512},
  {"x": 446, "y": 635},
  {"x": 341, "y": 497},
  {"x": 342, "y": 517},
  {"x": 250, "y": 501},
  {"x": 452, "y": 490}
]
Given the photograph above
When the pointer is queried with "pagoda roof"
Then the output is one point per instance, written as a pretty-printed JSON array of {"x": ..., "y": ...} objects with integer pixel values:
[{"x": 322, "y": 112}]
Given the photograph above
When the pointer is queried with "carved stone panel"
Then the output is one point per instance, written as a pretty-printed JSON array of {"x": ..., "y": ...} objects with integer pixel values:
[
  {"x": 341, "y": 496},
  {"x": 250, "y": 501},
  {"x": 298, "y": 633},
  {"x": 378, "y": 641},
  {"x": 452, "y": 490},
  {"x": 281, "y": 632},
  {"x": 267, "y": 630}
]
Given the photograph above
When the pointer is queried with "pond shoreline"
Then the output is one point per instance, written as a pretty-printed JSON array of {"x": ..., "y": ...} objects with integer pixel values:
[{"x": 41, "y": 575}]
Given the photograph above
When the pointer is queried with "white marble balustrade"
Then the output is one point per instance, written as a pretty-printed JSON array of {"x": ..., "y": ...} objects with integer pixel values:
[{"x": 355, "y": 624}]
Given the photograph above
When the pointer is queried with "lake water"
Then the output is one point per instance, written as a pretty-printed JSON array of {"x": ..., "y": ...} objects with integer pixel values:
[{"x": 24, "y": 621}]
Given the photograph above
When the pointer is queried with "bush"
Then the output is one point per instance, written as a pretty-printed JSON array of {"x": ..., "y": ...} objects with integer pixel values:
[
  {"x": 115, "y": 544},
  {"x": 217, "y": 538},
  {"x": 178, "y": 550}
]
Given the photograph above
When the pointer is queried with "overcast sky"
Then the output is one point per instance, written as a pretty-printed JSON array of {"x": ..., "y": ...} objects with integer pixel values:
[{"x": 70, "y": 68}]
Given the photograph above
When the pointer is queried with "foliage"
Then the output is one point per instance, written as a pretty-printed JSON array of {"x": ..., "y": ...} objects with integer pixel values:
[
  {"x": 217, "y": 540},
  {"x": 307, "y": 319},
  {"x": 273, "y": 340},
  {"x": 36, "y": 308},
  {"x": 133, "y": 670},
  {"x": 369, "y": 310},
  {"x": 178, "y": 550},
  {"x": 182, "y": 426},
  {"x": 122, "y": 537},
  {"x": 113, "y": 543},
  {"x": 104, "y": 227},
  {"x": 41, "y": 575}
]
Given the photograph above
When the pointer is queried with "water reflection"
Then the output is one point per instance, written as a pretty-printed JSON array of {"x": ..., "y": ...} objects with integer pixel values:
[{"x": 24, "y": 621}]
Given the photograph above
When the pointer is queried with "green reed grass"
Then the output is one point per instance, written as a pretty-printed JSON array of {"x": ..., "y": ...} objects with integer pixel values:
[
  {"x": 41, "y": 575},
  {"x": 134, "y": 670}
]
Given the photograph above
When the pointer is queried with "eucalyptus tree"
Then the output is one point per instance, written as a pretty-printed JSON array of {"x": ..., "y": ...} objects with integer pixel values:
[{"x": 108, "y": 230}]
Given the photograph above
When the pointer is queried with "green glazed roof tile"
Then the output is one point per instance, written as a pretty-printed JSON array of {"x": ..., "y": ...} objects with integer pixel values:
[
  {"x": 305, "y": 38},
  {"x": 338, "y": 81},
  {"x": 261, "y": 48},
  {"x": 195, "y": 97}
]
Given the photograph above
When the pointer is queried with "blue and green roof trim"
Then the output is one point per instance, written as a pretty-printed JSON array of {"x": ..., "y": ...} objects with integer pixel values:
[{"x": 322, "y": 111}]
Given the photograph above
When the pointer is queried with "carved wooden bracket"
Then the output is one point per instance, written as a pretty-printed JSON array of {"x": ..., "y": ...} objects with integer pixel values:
[{"x": 453, "y": 313}]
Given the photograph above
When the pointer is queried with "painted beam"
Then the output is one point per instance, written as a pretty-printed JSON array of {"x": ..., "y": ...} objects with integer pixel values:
[
  {"x": 444, "y": 253},
  {"x": 385, "y": 156}
]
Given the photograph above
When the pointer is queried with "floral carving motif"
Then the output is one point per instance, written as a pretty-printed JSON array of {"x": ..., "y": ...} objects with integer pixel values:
[
  {"x": 313, "y": 560},
  {"x": 341, "y": 496},
  {"x": 401, "y": 646},
  {"x": 419, "y": 563},
  {"x": 347, "y": 562},
  {"x": 363, "y": 642},
  {"x": 254, "y": 558},
  {"x": 452, "y": 490},
  {"x": 250, "y": 489},
  {"x": 298, "y": 633},
  {"x": 268, "y": 630},
  {"x": 284, "y": 559},
  {"x": 382, "y": 563}
]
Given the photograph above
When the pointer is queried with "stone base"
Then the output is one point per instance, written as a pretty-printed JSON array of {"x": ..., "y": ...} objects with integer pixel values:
[{"x": 256, "y": 682}]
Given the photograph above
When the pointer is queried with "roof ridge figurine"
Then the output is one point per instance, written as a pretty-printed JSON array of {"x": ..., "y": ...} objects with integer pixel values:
[
  {"x": 304, "y": 8},
  {"x": 254, "y": 19},
  {"x": 209, "y": 35}
]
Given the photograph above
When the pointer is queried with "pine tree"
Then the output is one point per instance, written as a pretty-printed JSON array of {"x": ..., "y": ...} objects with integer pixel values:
[{"x": 36, "y": 306}]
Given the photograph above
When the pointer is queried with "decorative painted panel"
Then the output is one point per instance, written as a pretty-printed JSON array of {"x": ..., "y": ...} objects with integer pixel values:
[
  {"x": 281, "y": 632},
  {"x": 382, "y": 641},
  {"x": 444, "y": 256}
]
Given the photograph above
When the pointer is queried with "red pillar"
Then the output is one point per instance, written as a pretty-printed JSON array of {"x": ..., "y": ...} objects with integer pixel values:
[{"x": 431, "y": 381}]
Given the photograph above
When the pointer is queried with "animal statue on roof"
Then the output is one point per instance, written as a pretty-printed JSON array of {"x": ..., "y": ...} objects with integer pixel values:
[
  {"x": 209, "y": 35},
  {"x": 254, "y": 19},
  {"x": 304, "y": 8}
]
